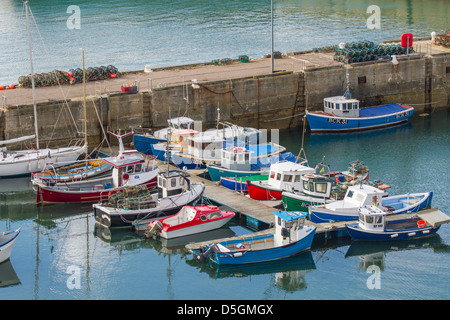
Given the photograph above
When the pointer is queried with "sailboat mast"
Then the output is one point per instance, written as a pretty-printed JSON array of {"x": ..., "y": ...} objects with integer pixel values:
[
  {"x": 32, "y": 78},
  {"x": 84, "y": 105}
]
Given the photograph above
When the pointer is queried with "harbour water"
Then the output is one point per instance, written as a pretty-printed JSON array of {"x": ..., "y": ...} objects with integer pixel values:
[
  {"x": 167, "y": 33},
  {"x": 62, "y": 254}
]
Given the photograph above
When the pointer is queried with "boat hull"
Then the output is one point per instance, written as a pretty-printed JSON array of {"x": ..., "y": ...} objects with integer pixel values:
[
  {"x": 142, "y": 143},
  {"x": 359, "y": 234},
  {"x": 324, "y": 122},
  {"x": 301, "y": 202},
  {"x": 98, "y": 193},
  {"x": 258, "y": 191},
  {"x": 217, "y": 172},
  {"x": 204, "y": 227},
  {"x": 320, "y": 214},
  {"x": 262, "y": 255},
  {"x": 139, "y": 219},
  {"x": 26, "y": 163},
  {"x": 7, "y": 241}
]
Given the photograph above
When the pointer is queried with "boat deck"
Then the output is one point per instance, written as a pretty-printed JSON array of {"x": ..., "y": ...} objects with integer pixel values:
[{"x": 382, "y": 110}]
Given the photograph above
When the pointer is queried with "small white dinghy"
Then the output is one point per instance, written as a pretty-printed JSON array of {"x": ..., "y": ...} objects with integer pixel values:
[{"x": 7, "y": 241}]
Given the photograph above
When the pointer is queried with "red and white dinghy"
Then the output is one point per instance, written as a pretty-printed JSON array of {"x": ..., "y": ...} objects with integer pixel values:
[{"x": 189, "y": 220}]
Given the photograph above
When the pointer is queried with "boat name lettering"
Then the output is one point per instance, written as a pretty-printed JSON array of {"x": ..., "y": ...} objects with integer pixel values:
[
  {"x": 339, "y": 121},
  {"x": 402, "y": 114}
]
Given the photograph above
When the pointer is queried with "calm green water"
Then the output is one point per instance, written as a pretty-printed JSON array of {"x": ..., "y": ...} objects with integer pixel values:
[
  {"x": 58, "y": 239},
  {"x": 135, "y": 33}
]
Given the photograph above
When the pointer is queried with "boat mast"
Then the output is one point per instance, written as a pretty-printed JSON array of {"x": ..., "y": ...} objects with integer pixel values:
[
  {"x": 32, "y": 77},
  {"x": 84, "y": 105}
]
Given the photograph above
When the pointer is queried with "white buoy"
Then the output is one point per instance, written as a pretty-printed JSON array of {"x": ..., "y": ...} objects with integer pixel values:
[
  {"x": 341, "y": 45},
  {"x": 148, "y": 69},
  {"x": 394, "y": 60},
  {"x": 433, "y": 36}
]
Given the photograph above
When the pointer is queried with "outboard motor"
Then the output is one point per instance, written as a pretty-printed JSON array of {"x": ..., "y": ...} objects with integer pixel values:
[
  {"x": 205, "y": 255},
  {"x": 153, "y": 229}
]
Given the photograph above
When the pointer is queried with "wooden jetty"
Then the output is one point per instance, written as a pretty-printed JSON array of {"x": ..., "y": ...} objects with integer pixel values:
[{"x": 262, "y": 212}]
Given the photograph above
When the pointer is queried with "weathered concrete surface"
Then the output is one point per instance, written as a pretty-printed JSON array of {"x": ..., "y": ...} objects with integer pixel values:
[{"x": 247, "y": 94}]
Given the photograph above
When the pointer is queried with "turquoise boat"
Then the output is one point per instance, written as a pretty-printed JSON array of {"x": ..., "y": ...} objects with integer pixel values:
[
  {"x": 248, "y": 161},
  {"x": 290, "y": 238}
]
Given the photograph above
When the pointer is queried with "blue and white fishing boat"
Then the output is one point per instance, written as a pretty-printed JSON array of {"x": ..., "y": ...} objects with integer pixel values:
[
  {"x": 373, "y": 225},
  {"x": 291, "y": 237},
  {"x": 343, "y": 114},
  {"x": 7, "y": 241},
  {"x": 358, "y": 196},
  {"x": 142, "y": 142}
]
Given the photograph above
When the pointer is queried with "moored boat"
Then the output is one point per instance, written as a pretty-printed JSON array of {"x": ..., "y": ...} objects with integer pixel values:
[
  {"x": 291, "y": 237},
  {"x": 240, "y": 183},
  {"x": 189, "y": 220},
  {"x": 7, "y": 241},
  {"x": 373, "y": 225},
  {"x": 129, "y": 169},
  {"x": 173, "y": 192},
  {"x": 361, "y": 195},
  {"x": 342, "y": 114},
  {"x": 283, "y": 176}
]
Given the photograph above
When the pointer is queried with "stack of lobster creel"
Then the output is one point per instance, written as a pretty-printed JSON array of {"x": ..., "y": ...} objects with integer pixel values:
[
  {"x": 359, "y": 51},
  {"x": 72, "y": 76}
]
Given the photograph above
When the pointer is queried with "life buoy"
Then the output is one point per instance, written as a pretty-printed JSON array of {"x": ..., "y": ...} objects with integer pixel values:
[
  {"x": 126, "y": 176},
  {"x": 421, "y": 223}
]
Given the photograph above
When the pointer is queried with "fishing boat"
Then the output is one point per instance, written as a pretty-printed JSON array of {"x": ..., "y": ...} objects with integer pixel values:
[
  {"x": 343, "y": 114},
  {"x": 174, "y": 191},
  {"x": 248, "y": 161},
  {"x": 240, "y": 183},
  {"x": 206, "y": 147},
  {"x": 7, "y": 241},
  {"x": 373, "y": 225},
  {"x": 143, "y": 141},
  {"x": 283, "y": 176},
  {"x": 361, "y": 195},
  {"x": 16, "y": 163},
  {"x": 290, "y": 237},
  {"x": 129, "y": 169},
  {"x": 189, "y": 220}
]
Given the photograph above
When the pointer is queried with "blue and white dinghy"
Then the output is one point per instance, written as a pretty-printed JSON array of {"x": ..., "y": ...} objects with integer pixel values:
[
  {"x": 342, "y": 114},
  {"x": 373, "y": 225},
  {"x": 7, "y": 241},
  {"x": 358, "y": 196},
  {"x": 291, "y": 237}
]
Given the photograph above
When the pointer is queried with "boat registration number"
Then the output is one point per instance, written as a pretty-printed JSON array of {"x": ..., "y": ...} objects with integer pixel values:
[
  {"x": 402, "y": 114},
  {"x": 338, "y": 121}
]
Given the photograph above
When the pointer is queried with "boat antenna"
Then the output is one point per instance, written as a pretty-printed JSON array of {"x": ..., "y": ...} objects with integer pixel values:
[
  {"x": 347, "y": 93},
  {"x": 84, "y": 105},
  {"x": 32, "y": 77}
]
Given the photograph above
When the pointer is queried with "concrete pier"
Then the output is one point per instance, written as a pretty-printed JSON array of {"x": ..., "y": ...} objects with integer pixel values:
[{"x": 247, "y": 93}]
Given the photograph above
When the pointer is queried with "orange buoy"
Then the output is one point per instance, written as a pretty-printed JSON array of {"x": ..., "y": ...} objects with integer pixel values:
[
  {"x": 11, "y": 86},
  {"x": 2, "y": 88},
  {"x": 421, "y": 223},
  {"x": 113, "y": 75},
  {"x": 70, "y": 74}
]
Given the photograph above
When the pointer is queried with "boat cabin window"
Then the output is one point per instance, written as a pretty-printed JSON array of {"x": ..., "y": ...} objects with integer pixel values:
[
  {"x": 311, "y": 187},
  {"x": 297, "y": 178},
  {"x": 173, "y": 182},
  {"x": 138, "y": 168},
  {"x": 287, "y": 178},
  {"x": 279, "y": 176},
  {"x": 321, "y": 187},
  {"x": 305, "y": 185},
  {"x": 272, "y": 175},
  {"x": 130, "y": 169},
  {"x": 214, "y": 215},
  {"x": 338, "y": 106},
  {"x": 350, "y": 194}
]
